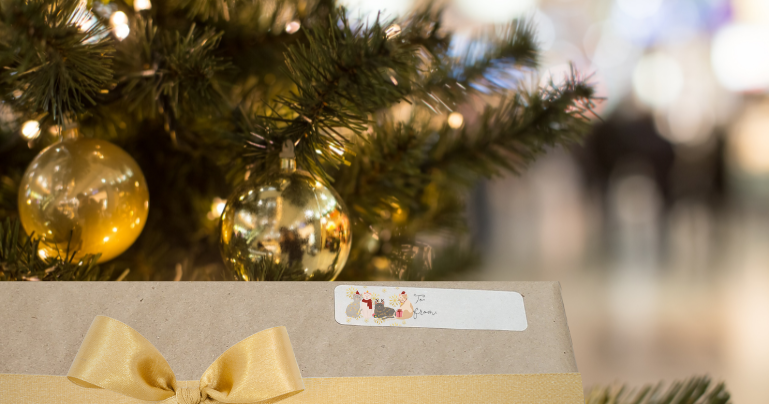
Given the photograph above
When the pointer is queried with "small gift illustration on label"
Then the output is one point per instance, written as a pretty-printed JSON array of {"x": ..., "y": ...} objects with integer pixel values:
[{"x": 406, "y": 309}]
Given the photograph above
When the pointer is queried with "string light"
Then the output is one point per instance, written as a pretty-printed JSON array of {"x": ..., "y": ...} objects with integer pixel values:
[
  {"x": 119, "y": 22},
  {"x": 392, "y": 31},
  {"x": 336, "y": 150},
  {"x": 122, "y": 31},
  {"x": 30, "y": 130},
  {"x": 455, "y": 120},
  {"x": 293, "y": 26},
  {"x": 118, "y": 18},
  {"x": 217, "y": 208},
  {"x": 140, "y": 5}
]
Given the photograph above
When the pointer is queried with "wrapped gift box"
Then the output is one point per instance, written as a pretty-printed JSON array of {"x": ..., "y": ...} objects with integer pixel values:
[{"x": 192, "y": 323}]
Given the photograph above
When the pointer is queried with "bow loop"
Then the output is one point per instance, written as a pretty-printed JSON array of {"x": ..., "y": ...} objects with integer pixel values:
[{"x": 113, "y": 356}]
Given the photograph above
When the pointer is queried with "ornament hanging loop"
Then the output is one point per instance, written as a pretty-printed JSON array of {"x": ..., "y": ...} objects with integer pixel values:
[
  {"x": 288, "y": 157},
  {"x": 68, "y": 129}
]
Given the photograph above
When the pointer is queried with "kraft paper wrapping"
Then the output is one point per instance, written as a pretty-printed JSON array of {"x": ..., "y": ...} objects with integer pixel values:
[{"x": 192, "y": 323}]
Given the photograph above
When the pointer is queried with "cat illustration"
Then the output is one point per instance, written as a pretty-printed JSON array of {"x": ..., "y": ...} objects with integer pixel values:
[
  {"x": 353, "y": 309},
  {"x": 380, "y": 311},
  {"x": 367, "y": 305}
]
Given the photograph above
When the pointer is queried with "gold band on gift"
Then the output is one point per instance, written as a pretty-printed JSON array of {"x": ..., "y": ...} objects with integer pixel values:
[{"x": 116, "y": 365}]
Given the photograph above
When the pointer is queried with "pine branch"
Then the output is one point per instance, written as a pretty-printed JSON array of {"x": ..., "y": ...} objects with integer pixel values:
[
  {"x": 517, "y": 131},
  {"x": 488, "y": 65},
  {"x": 400, "y": 161},
  {"x": 342, "y": 75},
  {"x": 697, "y": 390},
  {"x": 55, "y": 56},
  {"x": 165, "y": 71},
  {"x": 19, "y": 260}
]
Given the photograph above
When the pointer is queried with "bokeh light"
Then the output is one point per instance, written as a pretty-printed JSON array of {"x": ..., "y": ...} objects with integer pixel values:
[
  {"x": 495, "y": 11},
  {"x": 740, "y": 57},
  {"x": 639, "y": 8},
  {"x": 30, "y": 130},
  {"x": 657, "y": 79},
  {"x": 122, "y": 31},
  {"x": 366, "y": 11},
  {"x": 140, "y": 5},
  {"x": 118, "y": 18},
  {"x": 455, "y": 120},
  {"x": 293, "y": 27},
  {"x": 749, "y": 141}
]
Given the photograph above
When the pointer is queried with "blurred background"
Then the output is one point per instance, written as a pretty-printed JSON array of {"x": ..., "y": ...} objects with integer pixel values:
[{"x": 657, "y": 226}]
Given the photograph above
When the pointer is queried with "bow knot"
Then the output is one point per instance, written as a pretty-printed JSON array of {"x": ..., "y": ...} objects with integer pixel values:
[
  {"x": 186, "y": 395},
  {"x": 115, "y": 357}
]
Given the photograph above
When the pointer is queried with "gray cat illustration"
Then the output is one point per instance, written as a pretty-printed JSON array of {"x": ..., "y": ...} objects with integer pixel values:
[
  {"x": 380, "y": 311},
  {"x": 353, "y": 309}
]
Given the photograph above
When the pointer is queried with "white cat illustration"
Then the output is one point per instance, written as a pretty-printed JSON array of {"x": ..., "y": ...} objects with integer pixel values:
[{"x": 367, "y": 305}]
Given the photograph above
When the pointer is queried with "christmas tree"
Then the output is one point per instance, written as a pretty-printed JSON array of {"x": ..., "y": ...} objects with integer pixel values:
[{"x": 204, "y": 94}]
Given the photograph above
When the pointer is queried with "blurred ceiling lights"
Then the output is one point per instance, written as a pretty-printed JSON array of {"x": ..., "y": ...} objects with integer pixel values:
[
  {"x": 495, "y": 11},
  {"x": 366, "y": 11},
  {"x": 639, "y": 8},
  {"x": 657, "y": 79},
  {"x": 740, "y": 57}
]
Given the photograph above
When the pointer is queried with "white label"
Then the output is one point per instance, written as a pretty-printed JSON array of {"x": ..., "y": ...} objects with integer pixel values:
[{"x": 380, "y": 306}]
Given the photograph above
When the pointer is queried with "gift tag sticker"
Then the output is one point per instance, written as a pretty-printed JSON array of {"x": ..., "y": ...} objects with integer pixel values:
[{"x": 462, "y": 309}]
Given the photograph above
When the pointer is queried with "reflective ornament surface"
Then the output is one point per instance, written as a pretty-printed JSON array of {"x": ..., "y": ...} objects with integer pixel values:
[
  {"x": 85, "y": 192},
  {"x": 285, "y": 226}
]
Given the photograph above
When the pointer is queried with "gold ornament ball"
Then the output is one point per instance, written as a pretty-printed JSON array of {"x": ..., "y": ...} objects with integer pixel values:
[
  {"x": 285, "y": 226},
  {"x": 85, "y": 192}
]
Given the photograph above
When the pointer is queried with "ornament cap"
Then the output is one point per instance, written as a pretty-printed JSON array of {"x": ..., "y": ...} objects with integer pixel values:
[{"x": 288, "y": 157}]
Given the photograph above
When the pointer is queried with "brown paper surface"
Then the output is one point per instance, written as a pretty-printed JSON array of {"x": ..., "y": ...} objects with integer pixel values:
[{"x": 192, "y": 323}]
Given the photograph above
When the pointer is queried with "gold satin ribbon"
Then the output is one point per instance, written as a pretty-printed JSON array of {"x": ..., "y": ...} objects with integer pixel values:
[
  {"x": 113, "y": 356},
  {"x": 116, "y": 365}
]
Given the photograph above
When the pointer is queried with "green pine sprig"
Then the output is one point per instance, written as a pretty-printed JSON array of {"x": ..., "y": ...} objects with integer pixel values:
[
  {"x": 20, "y": 260},
  {"x": 55, "y": 56},
  {"x": 696, "y": 390}
]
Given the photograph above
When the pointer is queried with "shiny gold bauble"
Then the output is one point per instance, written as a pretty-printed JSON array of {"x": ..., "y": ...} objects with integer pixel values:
[
  {"x": 87, "y": 193},
  {"x": 285, "y": 226}
]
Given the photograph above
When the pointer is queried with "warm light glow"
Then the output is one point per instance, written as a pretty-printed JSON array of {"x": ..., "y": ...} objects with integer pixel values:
[
  {"x": 740, "y": 57},
  {"x": 337, "y": 150},
  {"x": 122, "y": 31},
  {"x": 749, "y": 142},
  {"x": 30, "y": 130},
  {"x": 658, "y": 80},
  {"x": 392, "y": 31},
  {"x": 217, "y": 208},
  {"x": 293, "y": 26},
  {"x": 114, "y": 229},
  {"x": 106, "y": 239},
  {"x": 118, "y": 18},
  {"x": 455, "y": 120},
  {"x": 140, "y": 5},
  {"x": 690, "y": 120}
]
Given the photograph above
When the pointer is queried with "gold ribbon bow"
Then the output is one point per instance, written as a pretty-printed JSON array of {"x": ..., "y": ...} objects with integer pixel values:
[{"x": 260, "y": 369}]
